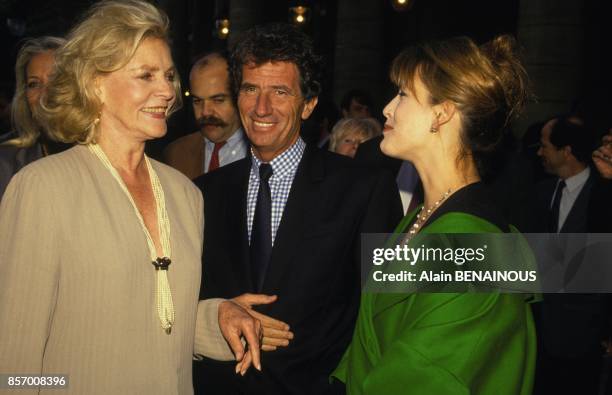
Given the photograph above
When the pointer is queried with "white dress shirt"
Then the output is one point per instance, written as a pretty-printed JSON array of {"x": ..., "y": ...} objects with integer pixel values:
[
  {"x": 407, "y": 179},
  {"x": 234, "y": 149}
]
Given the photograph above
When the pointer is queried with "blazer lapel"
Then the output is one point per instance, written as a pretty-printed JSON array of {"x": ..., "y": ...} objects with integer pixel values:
[
  {"x": 576, "y": 218},
  {"x": 235, "y": 214},
  {"x": 290, "y": 230}
]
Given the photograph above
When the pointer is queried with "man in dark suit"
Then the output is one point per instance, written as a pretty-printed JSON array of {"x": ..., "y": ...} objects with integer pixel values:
[
  {"x": 570, "y": 327},
  {"x": 287, "y": 221},
  {"x": 565, "y": 150}
]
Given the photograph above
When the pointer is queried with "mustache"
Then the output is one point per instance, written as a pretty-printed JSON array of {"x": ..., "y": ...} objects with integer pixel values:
[{"x": 210, "y": 120}]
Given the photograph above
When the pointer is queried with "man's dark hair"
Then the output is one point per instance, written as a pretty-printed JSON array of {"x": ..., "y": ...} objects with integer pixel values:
[
  {"x": 278, "y": 42},
  {"x": 573, "y": 132},
  {"x": 361, "y": 97}
]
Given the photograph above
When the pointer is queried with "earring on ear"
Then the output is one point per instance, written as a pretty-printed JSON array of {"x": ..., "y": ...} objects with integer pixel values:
[
  {"x": 96, "y": 121},
  {"x": 434, "y": 129}
]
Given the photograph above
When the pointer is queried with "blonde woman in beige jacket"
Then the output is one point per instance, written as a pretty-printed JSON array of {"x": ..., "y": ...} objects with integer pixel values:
[{"x": 100, "y": 246}]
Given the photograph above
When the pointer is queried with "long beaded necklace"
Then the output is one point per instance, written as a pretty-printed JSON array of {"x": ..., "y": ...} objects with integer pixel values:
[
  {"x": 424, "y": 215},
  {"x": 165, "y": 307}
]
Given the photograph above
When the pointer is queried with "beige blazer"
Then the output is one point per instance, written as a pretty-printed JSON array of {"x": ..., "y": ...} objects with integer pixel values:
[{"x": 77, "y": 289}]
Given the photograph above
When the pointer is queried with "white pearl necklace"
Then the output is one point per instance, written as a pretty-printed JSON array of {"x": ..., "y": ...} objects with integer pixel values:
[
  {"x": 165, "y": 306},
  {"x": 424, "y": 215}
]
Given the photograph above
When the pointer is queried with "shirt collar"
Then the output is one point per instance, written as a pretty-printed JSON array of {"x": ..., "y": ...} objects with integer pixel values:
[
  {"x": 578, "y": 180},
  {"x": 284, "y": 164},
  {"x": 231, "y": 141},
  {"x": 238, "y": 135}
]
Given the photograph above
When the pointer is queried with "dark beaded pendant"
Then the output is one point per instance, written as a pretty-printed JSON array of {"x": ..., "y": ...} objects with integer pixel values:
[{"x": 162, "y": 263}]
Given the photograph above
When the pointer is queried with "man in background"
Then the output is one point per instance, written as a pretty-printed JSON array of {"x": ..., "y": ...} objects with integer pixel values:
[
  {"x": 220, "y": 140},
  {"x": 356, "y": 104},
  {"x": 570, "y": 326}
]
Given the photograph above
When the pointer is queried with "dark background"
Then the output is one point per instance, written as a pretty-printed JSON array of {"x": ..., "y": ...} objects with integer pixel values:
[{"x": 566, "y": 43}]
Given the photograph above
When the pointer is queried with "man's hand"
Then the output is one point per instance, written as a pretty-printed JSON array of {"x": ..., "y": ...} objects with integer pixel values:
[
  {"x": 275, "y": 333},
  {"x": 235, "y": 323},
  {"x": 602, "y": 157}
]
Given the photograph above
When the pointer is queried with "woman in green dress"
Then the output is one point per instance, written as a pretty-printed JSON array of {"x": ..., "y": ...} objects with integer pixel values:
[{"x": 454, "y": 105}]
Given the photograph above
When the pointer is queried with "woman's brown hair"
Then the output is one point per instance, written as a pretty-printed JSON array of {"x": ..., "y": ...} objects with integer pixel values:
[{"x": 488, "y": 85}]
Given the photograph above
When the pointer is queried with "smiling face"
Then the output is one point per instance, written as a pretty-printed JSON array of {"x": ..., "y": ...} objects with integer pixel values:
[
  {"x": 137, "y": 97},
  {"x": 410, "y": 117},
  {"x": 272, "y": 107},
  {"x": 37, "y": 76}
]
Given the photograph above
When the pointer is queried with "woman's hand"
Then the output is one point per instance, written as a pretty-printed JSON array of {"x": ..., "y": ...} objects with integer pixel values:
[
  {"x": 235, "y": 323},
  {"x": 275, "y": 333}
]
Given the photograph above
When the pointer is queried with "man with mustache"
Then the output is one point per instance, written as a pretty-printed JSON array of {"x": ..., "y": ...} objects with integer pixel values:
[{"x": 220, "y": 140}]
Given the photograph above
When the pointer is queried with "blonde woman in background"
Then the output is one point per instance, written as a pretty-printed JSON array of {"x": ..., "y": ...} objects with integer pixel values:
[
  {"x": 101, "y": 246},
  {"x": 27, "y": 143},
  {"x": 349, "y": 133}
]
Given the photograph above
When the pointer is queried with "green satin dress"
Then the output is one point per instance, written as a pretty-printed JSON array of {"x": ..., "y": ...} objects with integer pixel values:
[{"x": 444, "y": 343}]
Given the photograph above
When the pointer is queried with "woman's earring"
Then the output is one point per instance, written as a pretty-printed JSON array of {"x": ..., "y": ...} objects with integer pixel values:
[
  {"x": 95, "y": 122},
  {"x": 434, "y": 128}
]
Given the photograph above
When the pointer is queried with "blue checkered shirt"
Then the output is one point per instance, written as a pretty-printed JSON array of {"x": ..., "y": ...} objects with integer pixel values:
[{"x": 284, "y": 167}]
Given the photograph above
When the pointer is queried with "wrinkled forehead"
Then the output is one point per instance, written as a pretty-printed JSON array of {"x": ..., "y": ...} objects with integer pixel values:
[
  {"x": 272, "y": 67},
  {"x": 272, "y": 74},
  {"x": 40, "y": 64}
]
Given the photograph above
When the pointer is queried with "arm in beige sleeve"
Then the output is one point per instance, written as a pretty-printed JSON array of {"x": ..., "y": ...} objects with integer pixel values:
[
  {"x": 209, "y": 342},
  {"x": 29, "y": 272}
]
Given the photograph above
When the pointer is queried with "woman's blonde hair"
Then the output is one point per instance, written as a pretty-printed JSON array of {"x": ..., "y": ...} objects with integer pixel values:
[
  {"x": 102, "y": 43},
  {"x": 24, "y": 124},
  {"x": 366, "y": 127},
  {"x": 488, "y": 85}
]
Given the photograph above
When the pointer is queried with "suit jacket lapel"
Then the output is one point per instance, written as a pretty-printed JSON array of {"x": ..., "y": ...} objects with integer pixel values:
[
  {"x": 235, "y": 214},
  {"x": 290, "y": 230},
  {"x": 578, "y": 212}
]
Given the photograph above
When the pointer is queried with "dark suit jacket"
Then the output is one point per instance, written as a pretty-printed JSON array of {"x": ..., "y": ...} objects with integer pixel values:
[
  {"x": 369, "y": 154},
  {"x": 600, "y": 215},
  {"x": 576, "y": 221},
  {"x": 570, "y": 325},
  {"x": 314, "y": 267}
]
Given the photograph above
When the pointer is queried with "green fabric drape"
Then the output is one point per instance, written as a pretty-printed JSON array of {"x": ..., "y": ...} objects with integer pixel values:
[{"x": 442, "y": 343}]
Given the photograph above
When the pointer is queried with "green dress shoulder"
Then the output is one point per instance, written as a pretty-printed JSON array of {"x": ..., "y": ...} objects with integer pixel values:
[{"x": 443, "y": 343}]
